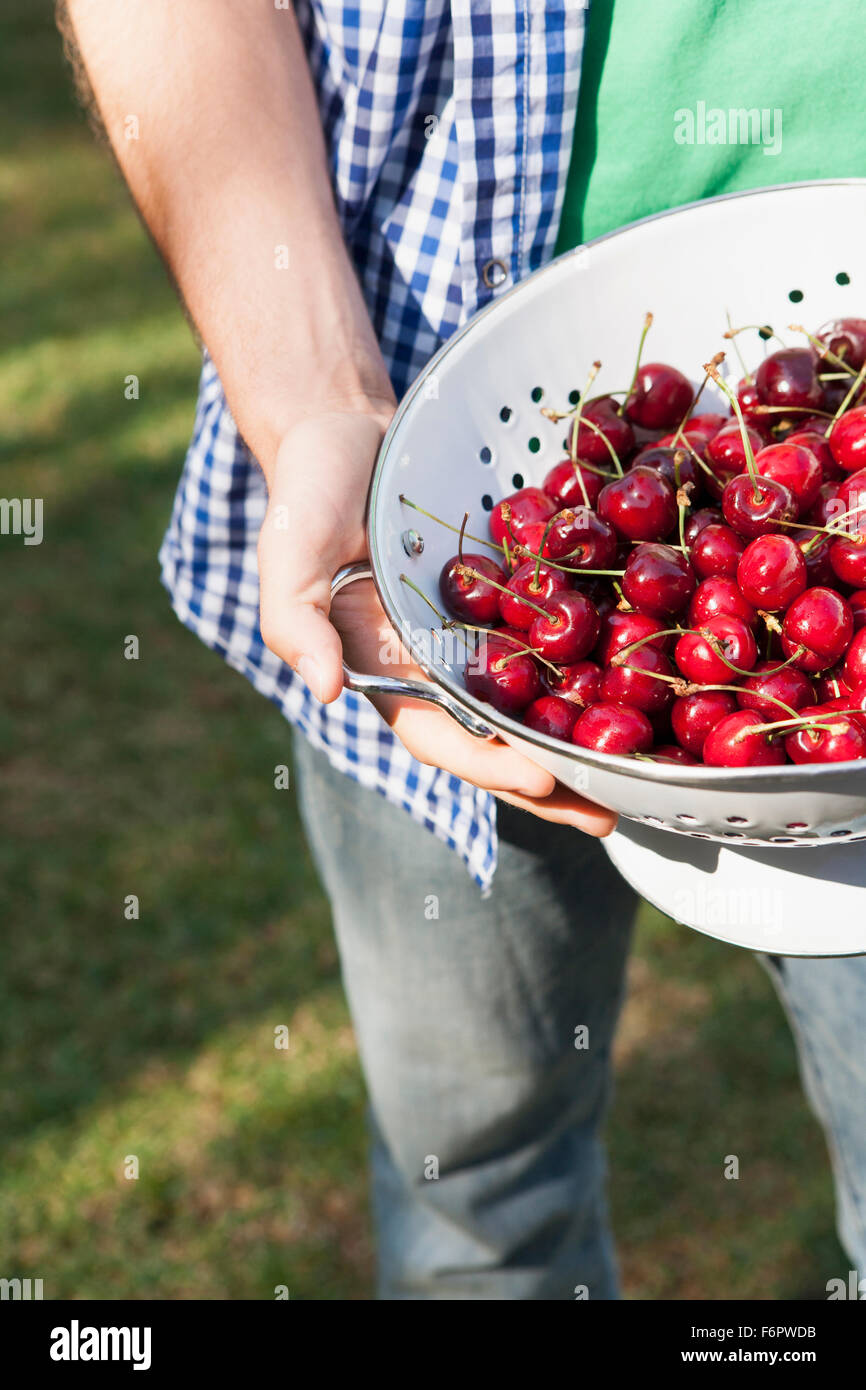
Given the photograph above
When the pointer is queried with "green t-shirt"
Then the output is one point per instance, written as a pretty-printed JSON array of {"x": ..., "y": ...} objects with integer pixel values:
[{"x": 685, "y": 99}]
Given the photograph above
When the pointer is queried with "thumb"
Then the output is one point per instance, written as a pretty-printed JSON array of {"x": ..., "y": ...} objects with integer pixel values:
[{"x": 316, "y": 652}]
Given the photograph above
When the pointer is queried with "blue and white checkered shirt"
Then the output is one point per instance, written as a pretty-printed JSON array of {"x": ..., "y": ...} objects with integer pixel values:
[{"x": 449, "y": 128}]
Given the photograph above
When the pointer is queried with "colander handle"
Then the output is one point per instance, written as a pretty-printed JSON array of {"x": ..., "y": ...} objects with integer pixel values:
[{"x": 389, "y": 685}]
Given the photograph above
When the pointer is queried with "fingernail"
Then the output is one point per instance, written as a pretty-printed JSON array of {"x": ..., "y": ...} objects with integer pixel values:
[{"x": 309, "y": 672}]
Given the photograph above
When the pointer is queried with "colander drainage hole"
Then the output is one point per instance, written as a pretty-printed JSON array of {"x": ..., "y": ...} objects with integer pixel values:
[
  {"x": 537, "y": 393},
  {"x": 573, "y": 396},
  {"x": 840, "y": 832},
  {"x": 843, "y": 278},
  {"x": 795, "y": 296},
  {"x": 796, "y": 825},
  {"x": 517, "y": 480},
  {"x": 534, "y": 444},
  {"x": 505, "y": 414},
  {"x": 487, "y": 502},
  {"x": 485, "y": 455},
  {"x": 737, "y": 820},
  {"x": 782, "y": 840},
  {"x": 689, "y": 820}
]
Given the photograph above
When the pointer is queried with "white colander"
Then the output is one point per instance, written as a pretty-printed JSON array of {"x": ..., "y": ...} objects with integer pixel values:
[{"x": 470, "y": 430}]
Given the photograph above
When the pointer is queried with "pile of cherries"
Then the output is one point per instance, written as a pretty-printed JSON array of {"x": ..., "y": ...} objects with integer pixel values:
[{"x": 687, "y": 587}]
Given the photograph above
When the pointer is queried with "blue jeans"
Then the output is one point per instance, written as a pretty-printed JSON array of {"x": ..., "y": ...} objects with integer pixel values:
[{"x": 485, "y": 1027}]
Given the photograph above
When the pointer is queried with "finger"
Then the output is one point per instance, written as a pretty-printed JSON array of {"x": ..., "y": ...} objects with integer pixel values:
[
  {"x": 564, "y": 807},
  {"x": 435, "y": 738},
  {"x": 301, "y": 634}
]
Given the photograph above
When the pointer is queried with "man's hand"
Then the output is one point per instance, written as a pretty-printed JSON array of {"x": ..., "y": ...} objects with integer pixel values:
[
  {"x": 231, "y": 167},
  {"x": 314, "y": 525}
]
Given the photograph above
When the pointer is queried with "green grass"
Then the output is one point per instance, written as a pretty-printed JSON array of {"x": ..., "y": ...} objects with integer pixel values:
[{"x": 155, "y": 1037}]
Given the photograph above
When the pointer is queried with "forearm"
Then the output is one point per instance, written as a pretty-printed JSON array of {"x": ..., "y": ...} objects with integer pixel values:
[{"x": 229, "y": 166}]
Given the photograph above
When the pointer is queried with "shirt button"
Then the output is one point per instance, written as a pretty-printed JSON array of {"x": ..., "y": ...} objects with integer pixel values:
[{"x": 494, "y": 274}]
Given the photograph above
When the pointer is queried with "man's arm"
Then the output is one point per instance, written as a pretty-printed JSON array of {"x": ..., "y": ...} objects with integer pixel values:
[{"x": 228, "y": 167}]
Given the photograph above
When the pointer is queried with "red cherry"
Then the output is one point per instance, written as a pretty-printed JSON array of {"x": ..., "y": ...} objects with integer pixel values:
[
  {"x": 618, "y": 630},
  {"x": 771, "y": 572},
  {"x": 676, "y": 466},
  {"x": 563, "y": 484},
  {"x": 830, "y": 685},
  {"x": 850, "y": 495},
  {"x": 816, "y": 629},
  {"x": 748, "y": 400},
  {"x": 603, "y": 412},
  {"x": 693, "y": 716},
  {"x": 704, "y": 516},
  {"x": 815, "y": 549},
  {"x": 796, "y": 467},
  {"x": 578, "y": 683},
  {"x": 716, "y": 550},
  {"x": 827, "y": 505},
  {"x": 641, "y": 506},
  {"x": 531, "y": 509},
  {"x": 613, "y": 729},
  {"x": 846, "y": 338},
  {"x": 854, "y": 668},
  {"x": 699, "y": 430},
  {"x": 857, "y": 604},
  {"x": 789, "y": 378},
  {"x": 697, "y": 654},
  {"x": 568, "y": 631},
  {"x": 522, "y": 584},
  {"x": 672, "y": 753},
  {"x": 848, "y": 556},
  {"x": 709, "y": 424},
  {"x": 726, "y": 451},
  {"x": 738, "y": 742},
  {"x": 552, "y": 716},
  {"x": 753, "y": 508},
  {"x": 847, "y": 439},
  {"x": 717, "y": 596},
  {"x": 840, "y": 739},
  {"x": 660, "y": 397},
  {"x": 507, "y": 682},
  {"x": 816, "y": 442},
  {"x": 472, "y": 600},
  {"x": 633, "y": 680},
  {"x": 787, "y": 684},
  {"x": 658, "y": 579},
  {"x": 582, "y": 537}
]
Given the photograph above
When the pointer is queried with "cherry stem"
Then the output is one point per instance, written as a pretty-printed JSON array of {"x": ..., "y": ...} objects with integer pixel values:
[
  {"x": 647, "y": 325},
  {"x": 790, "y": 410},
  {"x": 525, "y": 553},
  {"x": 758, "y": 694},
  {"x": 460, "y": 538},
  {"x": 619, "y": 657},
  {"x": 683, "y": 500},
  {"x": 695, "y": 398},
  {"x": 855, "y": 390},
  {"x": 822, "y": 350},
  {"x": 712, "y": 370},
  {"x": 732, "y": 335},
  {"x": 404, "y": 579},
  {"x": 467, "y": 570},
  {"x": 520, "y": 650},
  {"x": 556, "y": 516},
  {"x": 763, "y": 329},
  {"x": 593, "y": 373},
  {"x": 591, "y": 425},
  {"x": 447, "y": 524},
  {"x": 807, "y": 722},
  {"x": 715, "y": 644}
]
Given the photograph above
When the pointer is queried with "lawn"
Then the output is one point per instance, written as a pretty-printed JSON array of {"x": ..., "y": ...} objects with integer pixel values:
[{"x": 149, "y": 1042}]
